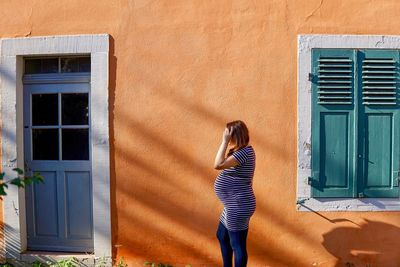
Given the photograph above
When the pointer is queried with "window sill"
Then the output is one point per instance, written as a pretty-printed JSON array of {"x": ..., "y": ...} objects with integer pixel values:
[{"x": 348, "y": 204}]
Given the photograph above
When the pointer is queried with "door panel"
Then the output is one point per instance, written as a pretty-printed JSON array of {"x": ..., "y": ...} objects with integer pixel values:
[
  {"x": 46, "y": 206},
  {"x": 378, "y": 150},
  {"x": 334, "y": 150},
  {"x": 79, "y": 205}
]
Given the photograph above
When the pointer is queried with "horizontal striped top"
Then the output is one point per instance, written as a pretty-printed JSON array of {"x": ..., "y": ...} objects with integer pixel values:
[{"x": 233, "y": 187}]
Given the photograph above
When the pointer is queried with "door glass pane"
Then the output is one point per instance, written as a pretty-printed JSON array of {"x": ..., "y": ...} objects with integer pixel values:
[
  {"x": 33, "y": 66},
  {"x": 75, "y": 144},
  {"x": 84, "y": 64},
  {"x": 44, "y": 109},
  {"x": 45, "y": 144},
  {"x": 75, "y": 64},
  {"x": 42, "y": 65},
  {"x": 75, "y": 109}
]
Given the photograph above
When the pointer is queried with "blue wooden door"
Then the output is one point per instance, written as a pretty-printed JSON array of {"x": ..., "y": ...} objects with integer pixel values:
[{"x": 57, "y": 144}]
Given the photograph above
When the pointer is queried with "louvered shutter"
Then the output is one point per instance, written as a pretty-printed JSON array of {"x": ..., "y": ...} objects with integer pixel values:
[
  {"x": 379, "y": 123},
  {"x": 333, "y": 126}
]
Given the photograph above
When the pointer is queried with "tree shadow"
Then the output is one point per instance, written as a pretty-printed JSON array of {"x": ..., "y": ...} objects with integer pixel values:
[{"x": 364, "y": 245}]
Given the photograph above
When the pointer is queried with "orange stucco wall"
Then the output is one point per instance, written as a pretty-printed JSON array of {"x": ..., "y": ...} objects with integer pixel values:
[{"x": 179, "y": 70}]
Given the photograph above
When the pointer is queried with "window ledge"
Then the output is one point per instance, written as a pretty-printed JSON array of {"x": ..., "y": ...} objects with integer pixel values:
[{"x": 348, "y": 204}]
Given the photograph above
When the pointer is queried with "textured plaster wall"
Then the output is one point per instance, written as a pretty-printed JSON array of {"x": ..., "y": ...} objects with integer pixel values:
[{"x": 179, "y": 70}]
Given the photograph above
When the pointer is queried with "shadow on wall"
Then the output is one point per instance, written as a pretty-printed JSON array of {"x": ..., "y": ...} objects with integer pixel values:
[
  {"x": 111, "y": 102},
  {"x": 364, "y": 245},
  {"x": 150, "y": 218}
]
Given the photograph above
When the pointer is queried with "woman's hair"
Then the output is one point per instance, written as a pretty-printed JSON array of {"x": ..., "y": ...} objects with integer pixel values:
[{"x": 240, "y": 134}]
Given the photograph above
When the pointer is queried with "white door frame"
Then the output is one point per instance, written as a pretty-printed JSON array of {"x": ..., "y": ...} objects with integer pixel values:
[{"x": 11, "y": 87}]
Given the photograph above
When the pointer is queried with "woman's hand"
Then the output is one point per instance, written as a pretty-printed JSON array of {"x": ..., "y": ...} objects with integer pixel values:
[
  {"x": 220, "y": 161},
  {"x": 227, "y": 135}
]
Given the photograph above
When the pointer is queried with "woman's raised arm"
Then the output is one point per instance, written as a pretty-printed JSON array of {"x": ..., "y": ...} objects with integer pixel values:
[{"x": 220, "y": 161}]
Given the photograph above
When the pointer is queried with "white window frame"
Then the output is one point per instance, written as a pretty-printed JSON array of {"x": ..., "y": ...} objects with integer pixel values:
[
  {"x": 306, "y": 43},
  {"x": 12, "y": 51}
]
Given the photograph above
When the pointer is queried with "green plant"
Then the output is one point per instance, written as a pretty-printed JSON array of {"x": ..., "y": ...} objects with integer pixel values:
[
  {"x": 20, "y": 181},
  {"x": 38, "y": 264},
  {"x": 102, "y": 261},
  {"x": 70, "y": 262},
  {"x": 121, "y": 263},
  {"x": 153, "y": 264}
]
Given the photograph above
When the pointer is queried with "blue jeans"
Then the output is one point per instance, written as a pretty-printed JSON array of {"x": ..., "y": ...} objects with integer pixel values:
[{"x": 232, "y": 243}]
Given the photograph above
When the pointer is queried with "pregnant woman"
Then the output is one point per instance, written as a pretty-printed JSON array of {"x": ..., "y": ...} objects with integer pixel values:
[{"x": 233, "y": 187}]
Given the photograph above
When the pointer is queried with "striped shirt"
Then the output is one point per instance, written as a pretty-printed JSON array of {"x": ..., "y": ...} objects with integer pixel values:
[{"x": 233, "y": 187}]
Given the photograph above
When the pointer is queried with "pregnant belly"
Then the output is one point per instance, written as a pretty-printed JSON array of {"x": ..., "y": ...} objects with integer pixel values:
[{"x": 223, "y": 187}]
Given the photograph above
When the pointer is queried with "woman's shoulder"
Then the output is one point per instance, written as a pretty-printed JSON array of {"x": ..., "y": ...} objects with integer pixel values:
[
  {"x": 248, "y": 148},
  {"x": 244, "y": 149}
]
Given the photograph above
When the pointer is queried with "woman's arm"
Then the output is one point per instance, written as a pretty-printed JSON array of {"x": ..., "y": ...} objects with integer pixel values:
[{"x": 220, "y": 161}]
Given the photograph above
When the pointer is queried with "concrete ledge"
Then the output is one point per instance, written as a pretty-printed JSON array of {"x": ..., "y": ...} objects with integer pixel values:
[{"x": 79, "y": 259}]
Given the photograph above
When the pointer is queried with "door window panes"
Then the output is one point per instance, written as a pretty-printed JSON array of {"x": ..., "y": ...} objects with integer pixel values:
[
  {"x": 45, "y": 144},
  {"x": 57, "y": 65},
  {"x": 44, "y": 109},
  {"x": 43, "y": 65},
  {"x": 75, "y": 109},
  {"x": 33, "y": 66},
  {"x": 75, "y": 64},
  {"x": 75, "y": 144}
]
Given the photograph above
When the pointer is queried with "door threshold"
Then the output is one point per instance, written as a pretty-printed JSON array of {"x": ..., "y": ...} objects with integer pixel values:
[{"x": 79, "y": 258}]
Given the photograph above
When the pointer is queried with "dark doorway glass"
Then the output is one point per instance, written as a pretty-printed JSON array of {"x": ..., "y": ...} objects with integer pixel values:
[
  {"x": 44, "y": 109},
  {"x": 45, "y": 144},
  {"x": 75, "y": 144}
]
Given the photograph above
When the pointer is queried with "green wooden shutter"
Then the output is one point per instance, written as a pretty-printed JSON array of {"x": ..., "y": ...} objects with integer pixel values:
[
  {"x": 379, "y": 122},
  {"x": 333, "y": 125}
]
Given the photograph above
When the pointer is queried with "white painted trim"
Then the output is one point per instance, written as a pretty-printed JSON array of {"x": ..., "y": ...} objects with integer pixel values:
[
  {"x": 11, "y": 66},
  {"x": 305, "y": 44}
]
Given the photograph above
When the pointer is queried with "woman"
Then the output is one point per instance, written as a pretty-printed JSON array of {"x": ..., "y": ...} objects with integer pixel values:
[{"x": 233, "y": 187}]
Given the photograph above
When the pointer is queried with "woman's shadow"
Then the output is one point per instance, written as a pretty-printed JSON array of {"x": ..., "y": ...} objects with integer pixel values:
[{"x": 370, "y": 244}]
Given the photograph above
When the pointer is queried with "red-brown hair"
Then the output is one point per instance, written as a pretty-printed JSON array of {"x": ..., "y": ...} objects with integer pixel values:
[{"x": 240, "y": 134}]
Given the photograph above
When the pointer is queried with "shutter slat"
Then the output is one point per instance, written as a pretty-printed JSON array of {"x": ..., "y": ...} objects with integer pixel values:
[
  {"x": 376, "y": 78},
  {"x": 334, "y": 103},
  {"x": 378, "y": 87},
  {"x": 379, "y": 93},
  {"x": 379, "y": 103},
  {"x": 388, "y": 61},
  {"x": 329, "y": 60},
  {"x": 378, "y": 98},
  {"x": 335, "y": 76},
  {"x": 379, "y": 67},
  {"x": 379, "y": 83},
  {"x": 334, "y": 87},
  {"x": 334, "y": 71},
  {"x": 334, "y": 66},
  {"x": 329, "y": 81},
  {"x": 336, "y": 92},
  {"x": 334, "y": 97},
  {"x": 379, "y": 72}
]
